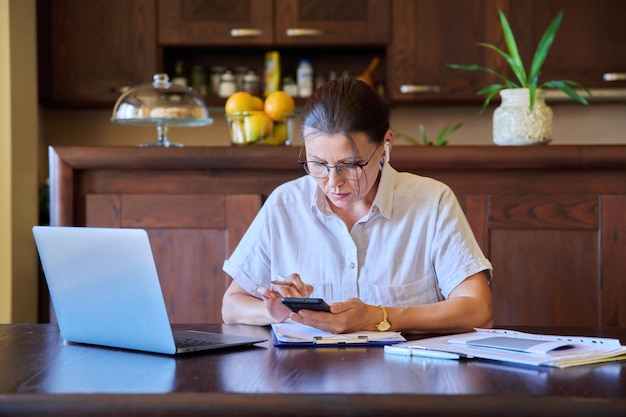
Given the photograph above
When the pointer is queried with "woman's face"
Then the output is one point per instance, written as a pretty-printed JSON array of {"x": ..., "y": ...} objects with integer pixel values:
[{"x": 335, "y": 149}]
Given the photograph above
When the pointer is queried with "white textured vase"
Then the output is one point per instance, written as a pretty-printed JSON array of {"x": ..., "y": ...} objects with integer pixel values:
[{"x": 515, "y": 124}]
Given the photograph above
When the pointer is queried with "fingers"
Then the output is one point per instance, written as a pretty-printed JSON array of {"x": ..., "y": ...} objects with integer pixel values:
[
  {"x": 276, "y": 311},
  {"x": 291, "y": 286}
]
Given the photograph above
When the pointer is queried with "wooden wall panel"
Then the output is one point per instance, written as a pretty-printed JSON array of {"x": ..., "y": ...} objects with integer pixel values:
[
  {"x": 613, "y": 264},
  {"x": 475, "y": 208},
  {"x": 544, "y": 249},
  {"x": 552, "y": 219},
  {"x": 189, "y": 262},
  {"x": 532, "y": 211},
  {"x": 103, "y": 210},
  {"x": 174, "y": 210},
  {"x": 545, "y": 277}
]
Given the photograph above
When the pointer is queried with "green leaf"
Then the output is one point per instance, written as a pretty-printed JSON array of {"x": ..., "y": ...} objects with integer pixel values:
[
  {"x": 408, "y": 138},
  {"x": 515, "y": 65},
  {"x": 574, "y": 84},
  {"x": 566, "y": 87},
  {"x": 489, "y": 70},
  {"x": 515, "y": 61},
  {"x": 532, "y": 91},
  {"x": 491, "y": 91},
  {"x": 423, "y": 135},
  {"x": 445, "y": 132},
  {"x": 544, "y": 46}
]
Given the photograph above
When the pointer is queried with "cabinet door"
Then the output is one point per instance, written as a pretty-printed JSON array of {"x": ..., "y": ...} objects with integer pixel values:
[
  {"x": 546, "y": 259},
  {"x": 428, "y": 35},
  {"x": 590, "y": 43},
  {"x": 97, "y": 47},
  {"x": 215, "y": 22},
  {"x": 332, "y": 22}
]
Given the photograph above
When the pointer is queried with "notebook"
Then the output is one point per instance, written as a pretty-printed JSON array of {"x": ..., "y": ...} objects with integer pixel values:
[{"x": 105, "y": 291}]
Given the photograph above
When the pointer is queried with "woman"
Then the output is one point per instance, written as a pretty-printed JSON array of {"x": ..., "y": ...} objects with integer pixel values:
[{"x": 388, "y": 250}]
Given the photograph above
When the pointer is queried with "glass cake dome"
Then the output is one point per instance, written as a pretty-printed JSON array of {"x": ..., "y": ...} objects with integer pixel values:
[{"x": 161, "y": 104}]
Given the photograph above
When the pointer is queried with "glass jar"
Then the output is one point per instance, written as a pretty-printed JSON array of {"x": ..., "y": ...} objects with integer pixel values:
[
  {"x": 252, "y": 83},
  {"x": 227, "y": 85}
]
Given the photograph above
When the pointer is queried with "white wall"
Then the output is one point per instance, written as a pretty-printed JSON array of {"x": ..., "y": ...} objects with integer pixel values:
[{"x": 573, "y": 124}]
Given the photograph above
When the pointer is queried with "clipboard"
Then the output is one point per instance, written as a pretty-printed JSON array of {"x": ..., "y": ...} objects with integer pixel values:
[{"x": 292, "y": 334}]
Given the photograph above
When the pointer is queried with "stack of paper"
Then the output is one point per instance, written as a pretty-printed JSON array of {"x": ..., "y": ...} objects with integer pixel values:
[
  {"x": 290, "y": 333},
  {"x": 518, "y": 347}
]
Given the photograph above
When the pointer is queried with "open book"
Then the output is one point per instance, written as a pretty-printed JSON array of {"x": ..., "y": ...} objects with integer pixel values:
[
  {"x": 290, "y": 333},
  {"x": 522, "y": 348}
]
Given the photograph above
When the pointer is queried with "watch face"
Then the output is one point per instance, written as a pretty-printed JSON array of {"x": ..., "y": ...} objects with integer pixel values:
[{"x": 383, "y": 326}]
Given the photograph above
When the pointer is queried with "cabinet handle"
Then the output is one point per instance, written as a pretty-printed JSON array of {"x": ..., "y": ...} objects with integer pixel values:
[
  {"x": 416, "y": 88},
  {"x": 241, "y": 33},
  {"x": 614, "y": 76},
  {"x": 295, "y": 32}
]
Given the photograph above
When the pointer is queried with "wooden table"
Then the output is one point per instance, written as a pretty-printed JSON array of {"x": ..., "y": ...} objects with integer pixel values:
[{"x": 41, "y": 375}]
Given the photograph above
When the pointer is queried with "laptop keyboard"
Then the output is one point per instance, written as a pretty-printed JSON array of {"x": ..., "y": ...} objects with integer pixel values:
[{"x": 184, "y": 342}]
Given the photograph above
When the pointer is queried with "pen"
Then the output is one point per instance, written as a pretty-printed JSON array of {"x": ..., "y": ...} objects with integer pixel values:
[
  {"x": 283, "y": 283},
  {"x": 422, "y": 352},
  {"x": 280, "y": 280}
]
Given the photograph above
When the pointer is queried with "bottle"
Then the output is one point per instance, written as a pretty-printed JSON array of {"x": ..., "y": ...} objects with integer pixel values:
[
  {"x": 198, "y": 80},
  {"x": 305, "y": 78},
  {"x": 272, "y": 73},
  {"x": 179, "y": 77}
]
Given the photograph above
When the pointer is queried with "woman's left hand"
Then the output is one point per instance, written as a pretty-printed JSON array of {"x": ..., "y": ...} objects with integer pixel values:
[{"x": 346, "y": 316}]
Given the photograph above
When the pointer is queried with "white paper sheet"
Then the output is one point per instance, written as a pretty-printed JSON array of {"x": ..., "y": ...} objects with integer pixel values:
[
  {"x": 578, "y": 351},
  {"x": 292, "y": 332}
]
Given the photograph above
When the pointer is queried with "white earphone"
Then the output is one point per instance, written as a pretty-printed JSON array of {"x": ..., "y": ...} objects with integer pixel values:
[{"x": 387, "y": 157}]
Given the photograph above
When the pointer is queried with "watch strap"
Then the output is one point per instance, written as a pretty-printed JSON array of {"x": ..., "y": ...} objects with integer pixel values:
[{"x": 384, "y": 325}]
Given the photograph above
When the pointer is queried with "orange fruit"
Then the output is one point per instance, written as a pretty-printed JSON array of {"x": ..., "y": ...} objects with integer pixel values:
[
  {"x": 257, "y": 103},
  {"x": 279, "y": 105},
  {"x": 242, "y": 101}
]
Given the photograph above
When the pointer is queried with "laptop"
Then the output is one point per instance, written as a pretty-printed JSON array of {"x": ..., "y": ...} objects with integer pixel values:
[{"x": 105, "y": 291}]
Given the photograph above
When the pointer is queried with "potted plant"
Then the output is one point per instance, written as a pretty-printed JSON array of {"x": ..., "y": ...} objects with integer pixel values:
[
  {"x": 441, "y": 140},
  {"x": 523, "y": 117}
]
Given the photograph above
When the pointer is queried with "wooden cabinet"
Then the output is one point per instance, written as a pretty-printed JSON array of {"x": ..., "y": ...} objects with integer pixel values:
[
  {"x": 332, "y": 22},
  {"x": 590, "y": 43},
  {"x": 273, "y": 22},
  {"x": 336, "y": 36},
  {"x": 552, "y": 219},
  {"x": 427, "y": 35},
  {"x": 216, "y": 22},
  {"x": 90, "y": 50}
]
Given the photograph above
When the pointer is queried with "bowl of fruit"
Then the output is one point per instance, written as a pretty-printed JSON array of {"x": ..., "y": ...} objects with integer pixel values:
[{"x": 252, "y": 120}]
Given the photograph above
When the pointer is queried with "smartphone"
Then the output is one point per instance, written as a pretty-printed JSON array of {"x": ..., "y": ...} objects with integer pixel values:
[{"x": 297, "y": 304}]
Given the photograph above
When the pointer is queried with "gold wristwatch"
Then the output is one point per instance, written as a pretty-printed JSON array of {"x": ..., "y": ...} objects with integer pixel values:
[{"x": 384, "y": 325}]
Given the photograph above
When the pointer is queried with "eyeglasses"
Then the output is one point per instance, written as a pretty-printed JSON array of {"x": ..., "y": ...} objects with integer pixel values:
[{"x": 346, "y": 170}]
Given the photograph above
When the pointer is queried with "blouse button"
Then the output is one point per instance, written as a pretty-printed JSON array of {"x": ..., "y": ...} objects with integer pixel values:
[{"x": 352, "y": 265}]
